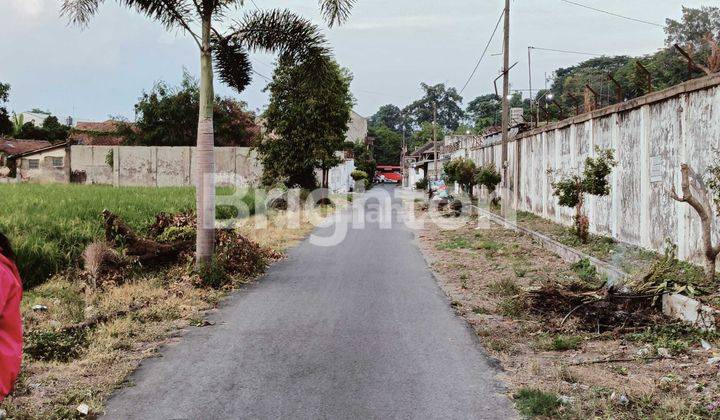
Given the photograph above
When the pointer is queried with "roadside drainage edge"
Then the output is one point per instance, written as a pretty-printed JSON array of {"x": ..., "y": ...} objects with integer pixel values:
[{"x": 674, "y": 305}]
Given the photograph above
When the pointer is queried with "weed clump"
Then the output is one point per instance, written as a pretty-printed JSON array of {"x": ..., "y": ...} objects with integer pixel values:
[
  {"x": 504, "y": 287},
  {"x": 59, "y": 346},
  {"x": 511, "y": 307},
  {"x": 559, "y": 342},
  {"x": 532, "y": 402}
]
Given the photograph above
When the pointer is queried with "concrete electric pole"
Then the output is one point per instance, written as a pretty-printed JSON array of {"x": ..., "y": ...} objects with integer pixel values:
[
  {"x": 435, "y": 150},
  {"x": 506, "y": 107}
]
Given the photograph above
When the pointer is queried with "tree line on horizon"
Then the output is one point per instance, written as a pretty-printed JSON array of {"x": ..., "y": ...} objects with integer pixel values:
[{"x": 697, "y": 31}]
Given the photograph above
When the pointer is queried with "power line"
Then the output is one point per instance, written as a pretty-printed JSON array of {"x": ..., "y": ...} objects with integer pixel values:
[
  {"x": 497, "y": 25},
  {"x": 611, "y": 13},
  {"x": 566, "y": 51},
  {"x": 261, "y": 75}
]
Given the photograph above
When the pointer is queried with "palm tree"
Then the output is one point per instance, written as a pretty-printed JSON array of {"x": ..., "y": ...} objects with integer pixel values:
[{"x": 295, "y": 40}]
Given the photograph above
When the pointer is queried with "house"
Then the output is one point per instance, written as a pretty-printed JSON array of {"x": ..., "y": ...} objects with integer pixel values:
[
  {"x": 420, "y": 164},
  {"x": 36, "y": 117},
  {"x": 46, "y": 164},
  {"x": 357, "y": 128},
  {"x": 10, "y": 147},
  {"x": 104, "y": 133}
]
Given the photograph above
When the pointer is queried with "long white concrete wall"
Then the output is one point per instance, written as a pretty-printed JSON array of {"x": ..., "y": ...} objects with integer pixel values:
[
  {"x": 157, "y": 166},
  {"x": 651, "y": 136}
]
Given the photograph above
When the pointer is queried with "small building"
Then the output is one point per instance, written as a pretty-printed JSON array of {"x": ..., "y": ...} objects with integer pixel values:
[
  {"x": 36, "y": 117},
  {"x": 357, "y": 128},
  {"x": 420, "y": 164},
  {"x": 43, "y": 165},
  {"x": 10, "y": 147}
]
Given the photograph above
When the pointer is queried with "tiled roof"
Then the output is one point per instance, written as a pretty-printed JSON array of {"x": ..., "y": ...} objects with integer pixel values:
[
  {"x": 15, "y": 146},
  {"x": 109, "y": 126}
]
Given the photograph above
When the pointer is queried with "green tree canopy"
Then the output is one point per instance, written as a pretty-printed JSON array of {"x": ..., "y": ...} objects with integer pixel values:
[
  {"x": 694, "y": 25},
  {"x": 448, "y": 102},
  {"x": 307, "y": 120},
  {"x": 391, "y": 116},
  {"x": 51, "y": 130},
  {"x": 387, "y": 146},
  {"x": 167, "y": 116},
  {"x": 484, "y": 111},
  {"x": 6, "y": 125}
]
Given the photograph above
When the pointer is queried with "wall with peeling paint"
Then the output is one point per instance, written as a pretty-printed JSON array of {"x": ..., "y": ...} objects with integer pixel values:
[
  {"x": 156, "y": 166},
  {"x": 651, "y": 135}
]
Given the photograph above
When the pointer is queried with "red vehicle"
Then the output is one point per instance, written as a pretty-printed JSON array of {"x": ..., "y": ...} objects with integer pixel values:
[{"x": 388, "y": 173}]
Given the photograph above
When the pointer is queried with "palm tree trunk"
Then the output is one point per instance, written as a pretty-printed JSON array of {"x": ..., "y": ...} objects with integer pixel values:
[{"x": 205, "y": 176}]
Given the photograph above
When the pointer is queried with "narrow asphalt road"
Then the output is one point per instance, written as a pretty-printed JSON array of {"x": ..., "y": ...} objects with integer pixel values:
[{"x": 353, "y": 331}]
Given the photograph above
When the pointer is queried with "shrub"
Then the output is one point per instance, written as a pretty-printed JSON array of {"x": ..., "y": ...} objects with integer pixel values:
[
  {"x": 488, "y": 177},
  {"x": 462, "y": 171},
  {"x": 586, "y": 271},
  {"x": 422, "y": 184},
  {"x": 177, "y": 233},
  {"x": 357, "y": 175},
  {"x": 571, "y": 190},
  {"x": 213, "y": 274},
  {"x": 533, "y": 402}
]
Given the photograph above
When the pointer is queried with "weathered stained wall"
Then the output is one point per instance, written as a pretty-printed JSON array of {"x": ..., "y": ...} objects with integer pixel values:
[
  {"x": 357, "y": 128},
  {"x": 175, "y": 166},
  {"x": 651, "y": 136},
  {"x": 157, "y": 166},
  {"x": 46, "y": 171}
]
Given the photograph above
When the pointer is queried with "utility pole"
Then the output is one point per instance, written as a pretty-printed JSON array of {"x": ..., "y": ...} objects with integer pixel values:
[
  {"x": 506, "y": 107},
  {"x": 532, "y": 99},
  {"x": 435, "y": 151},
  {"x": 403, "y": 153}
]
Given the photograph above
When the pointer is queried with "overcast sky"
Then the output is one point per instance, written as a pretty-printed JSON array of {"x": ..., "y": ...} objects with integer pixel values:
[{"x": 391, "y": 46}]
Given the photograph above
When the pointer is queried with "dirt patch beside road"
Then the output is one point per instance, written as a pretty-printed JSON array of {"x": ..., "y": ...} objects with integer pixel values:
[{"x": 558, "y": 367}]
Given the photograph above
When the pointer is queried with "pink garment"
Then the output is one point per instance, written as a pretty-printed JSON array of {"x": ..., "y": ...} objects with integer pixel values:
[{"x": 10, "y": 325}]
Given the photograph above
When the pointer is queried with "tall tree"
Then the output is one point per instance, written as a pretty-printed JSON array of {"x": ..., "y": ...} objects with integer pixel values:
[
  {"x": 51, "y": 130},
  {"x": 307, "y": 120},
  {"x": 387, "y": 145},
  {"x": 167, "y": 115},
  {"x": 6, "y": 125},
  {"x": 448, "y": 101},
  {"x": 281, "y": 31},
  {"x": 391, "y": 116},
  {"x": 694, "y": 25},
  {"x": 484, "y": 111}
]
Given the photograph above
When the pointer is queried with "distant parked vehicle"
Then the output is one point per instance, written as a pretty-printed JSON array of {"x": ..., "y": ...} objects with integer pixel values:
[{"x": 388, "y": 173}]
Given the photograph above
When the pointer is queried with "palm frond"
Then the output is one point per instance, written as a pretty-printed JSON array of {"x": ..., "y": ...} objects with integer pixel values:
[
  {"x": 79, "y": 12},
  {"x": 336, "y": 11},
  {"x": 280, "y": 31},
  {"x": 232, "y": 63},
  {"x": 171, "y": 13}
]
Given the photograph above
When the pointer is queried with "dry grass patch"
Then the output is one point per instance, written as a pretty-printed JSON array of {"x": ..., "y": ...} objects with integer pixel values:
[
  {"x": 568, "y": 370},
  {"x": 67, "y": 366}
]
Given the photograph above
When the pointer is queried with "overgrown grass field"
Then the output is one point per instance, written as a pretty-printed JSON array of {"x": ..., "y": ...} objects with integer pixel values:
[{"x": 50, "y": 225}]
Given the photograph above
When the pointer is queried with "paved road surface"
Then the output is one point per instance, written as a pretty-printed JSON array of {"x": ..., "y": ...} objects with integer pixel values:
[{"x": 358, "y": 330}]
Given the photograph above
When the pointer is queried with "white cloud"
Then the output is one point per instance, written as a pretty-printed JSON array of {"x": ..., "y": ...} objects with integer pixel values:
[{"x": 30, "y": 8}]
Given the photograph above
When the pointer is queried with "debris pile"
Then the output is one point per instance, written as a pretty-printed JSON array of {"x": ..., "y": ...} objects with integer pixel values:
[
  {"x": 593, "y": 311},
  {"x": 171, "y": 240}
]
